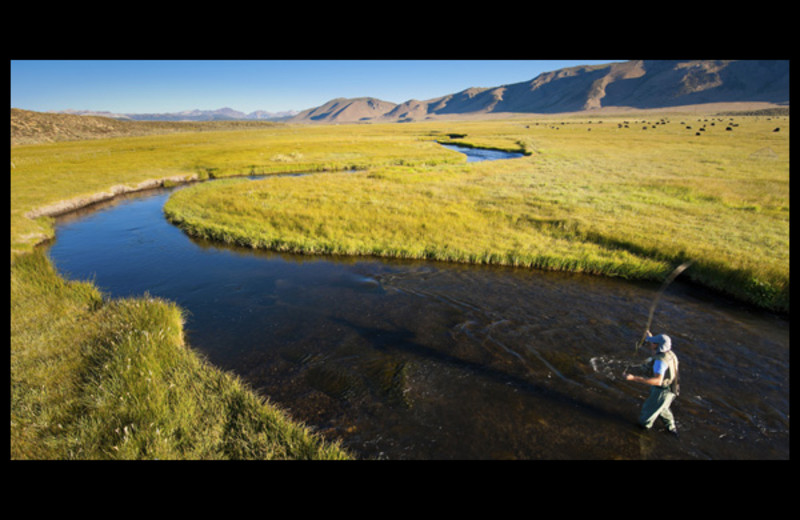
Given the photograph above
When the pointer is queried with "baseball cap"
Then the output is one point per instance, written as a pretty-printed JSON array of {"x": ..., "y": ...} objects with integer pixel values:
[{"x": 663, "y": 342}]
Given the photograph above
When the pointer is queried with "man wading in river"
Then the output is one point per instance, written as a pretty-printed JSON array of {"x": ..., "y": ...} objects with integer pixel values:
[{"x": 663, "y": 383}]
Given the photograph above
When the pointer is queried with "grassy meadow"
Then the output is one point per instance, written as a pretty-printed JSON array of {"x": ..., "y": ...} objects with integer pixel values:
[
  {"x": 45, "y": 174},
  {"x": 94, "y": 377},
  {"x": 591, "y": 196}
]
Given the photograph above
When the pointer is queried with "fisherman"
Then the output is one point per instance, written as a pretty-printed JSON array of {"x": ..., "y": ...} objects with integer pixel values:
[{"x": 663, "y": 383}]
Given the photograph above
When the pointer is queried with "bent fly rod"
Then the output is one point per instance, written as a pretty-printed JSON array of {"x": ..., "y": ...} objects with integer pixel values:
[{"x": 678, "y": 270}]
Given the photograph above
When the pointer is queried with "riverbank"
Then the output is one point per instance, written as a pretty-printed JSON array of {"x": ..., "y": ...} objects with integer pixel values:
[{"x": 93, "y": 378}]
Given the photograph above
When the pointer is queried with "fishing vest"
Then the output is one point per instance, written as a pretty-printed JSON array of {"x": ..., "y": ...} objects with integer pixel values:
[{"x": 671, "y": 375}]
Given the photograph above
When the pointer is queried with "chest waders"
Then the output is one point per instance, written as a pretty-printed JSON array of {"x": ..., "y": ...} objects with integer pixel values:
[
  {"x": 671, "y": 375},
  {"x": 661, "y": 397}
]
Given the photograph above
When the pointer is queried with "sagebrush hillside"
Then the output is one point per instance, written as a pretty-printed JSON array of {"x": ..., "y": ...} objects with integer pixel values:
[{"x": 29, "y": 127}]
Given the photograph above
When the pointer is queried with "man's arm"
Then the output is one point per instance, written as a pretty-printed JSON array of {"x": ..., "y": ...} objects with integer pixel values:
[{"x": 656, "y": 380}]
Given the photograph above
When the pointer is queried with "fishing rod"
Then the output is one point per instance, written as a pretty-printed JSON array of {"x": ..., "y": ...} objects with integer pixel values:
[{"x": 678, "y": 270}]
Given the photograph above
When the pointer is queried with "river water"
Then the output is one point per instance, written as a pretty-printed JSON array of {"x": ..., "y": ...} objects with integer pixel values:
[{"x": 426, "y": 360}]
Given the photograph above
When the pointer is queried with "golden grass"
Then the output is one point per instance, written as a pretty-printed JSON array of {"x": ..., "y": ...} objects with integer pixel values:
[
  {"x": 95, "y": 379},
  {"x": 98, "y": 378},
  {"x": 47, "y": 174},
  {"x": 593, "y": 197}
]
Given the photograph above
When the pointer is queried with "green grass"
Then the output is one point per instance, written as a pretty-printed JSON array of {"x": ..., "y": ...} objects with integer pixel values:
[
  {"x": 47, "y": 174},
  {"x": 98, "y": 378}
]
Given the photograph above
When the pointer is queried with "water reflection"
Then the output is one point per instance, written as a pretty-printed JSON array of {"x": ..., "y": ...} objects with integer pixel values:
[
  {"x": 422, "y": 360},
  {"x": 482, "y": 154}
]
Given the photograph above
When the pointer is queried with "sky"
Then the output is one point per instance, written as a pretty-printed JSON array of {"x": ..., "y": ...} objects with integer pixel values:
[{"x": 158, "y": 86}]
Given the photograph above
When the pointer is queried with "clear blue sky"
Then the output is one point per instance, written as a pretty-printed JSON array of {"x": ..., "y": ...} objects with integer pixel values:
[{"x": 129, "y": 86}]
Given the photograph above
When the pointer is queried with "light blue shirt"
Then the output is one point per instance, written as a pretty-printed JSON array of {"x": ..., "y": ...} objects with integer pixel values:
[{"x": 659, "y": 367}]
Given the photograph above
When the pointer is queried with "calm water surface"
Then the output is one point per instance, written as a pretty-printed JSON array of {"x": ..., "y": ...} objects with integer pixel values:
[{"x": 423, "y": 360}]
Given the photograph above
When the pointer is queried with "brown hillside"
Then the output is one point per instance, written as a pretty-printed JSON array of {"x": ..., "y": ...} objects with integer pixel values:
[
  {"x": 28, "y": 127},
  {"x": 346, "y": 110},
  {"x": 637, "y": 84}
]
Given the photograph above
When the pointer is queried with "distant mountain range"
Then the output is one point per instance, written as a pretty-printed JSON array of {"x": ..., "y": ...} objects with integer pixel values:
[
  {"x": 637, "y": 84},
  {"x": 222, "y": 114}
]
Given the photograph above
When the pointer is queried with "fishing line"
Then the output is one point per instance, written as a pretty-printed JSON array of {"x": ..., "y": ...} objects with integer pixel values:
[{"x": 678, "y": 270}]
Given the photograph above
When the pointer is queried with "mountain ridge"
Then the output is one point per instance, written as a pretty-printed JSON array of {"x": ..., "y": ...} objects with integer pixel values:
[
  {"x": 636, "y": 84},
  {"x": 342, "y": 109},
  {"x": 220, "y": 114}
]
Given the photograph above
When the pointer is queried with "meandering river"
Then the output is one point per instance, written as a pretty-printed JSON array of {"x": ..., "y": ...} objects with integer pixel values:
[{"x": 426, "y": 360}]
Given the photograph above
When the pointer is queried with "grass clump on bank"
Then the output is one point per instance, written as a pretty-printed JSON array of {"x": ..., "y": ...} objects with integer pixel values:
[
  {"x": 96, "y": 379},
  {"x": 435, "y": 214}
]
